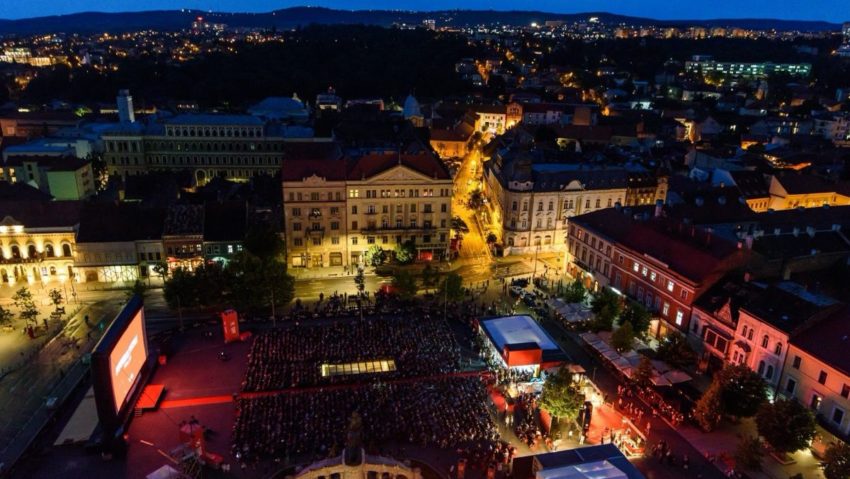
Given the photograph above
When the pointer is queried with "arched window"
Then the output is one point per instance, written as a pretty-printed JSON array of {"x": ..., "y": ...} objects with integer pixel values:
[
  {"x": 761, "y": 368},
  {"x": 764, "y": 341},
  {"x": 48, "y": 250},
  {"x": 778, "y": 349},
  {"x": 750, "y": 335},
  {"x": 16, "y": 251},
  {"x": 66, "y": 249},
  {"x": 31, "y": 251},
  {"x": 769, "y": 374}
]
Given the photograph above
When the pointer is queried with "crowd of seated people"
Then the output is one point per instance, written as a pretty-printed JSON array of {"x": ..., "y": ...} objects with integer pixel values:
[
  {"x": 446, "y": 413},
  {"x": 418, "y": 344}
]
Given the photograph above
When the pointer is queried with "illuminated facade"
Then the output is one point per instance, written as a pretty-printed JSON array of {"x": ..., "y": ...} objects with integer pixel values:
[
  {"x": 748, "y": 70},
  {"x": 230, "y": 146},
  {"x": 336, "y": 208},
  {"x": 40, "y": 248},
  {"x": 532, "y": 203}
]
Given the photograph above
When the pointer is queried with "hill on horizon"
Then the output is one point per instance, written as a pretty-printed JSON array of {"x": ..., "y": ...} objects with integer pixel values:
[{"x": 170, "y": 20}]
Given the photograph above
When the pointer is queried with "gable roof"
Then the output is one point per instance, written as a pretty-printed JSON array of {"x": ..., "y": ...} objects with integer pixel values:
[{"x": 370, "y": 165}]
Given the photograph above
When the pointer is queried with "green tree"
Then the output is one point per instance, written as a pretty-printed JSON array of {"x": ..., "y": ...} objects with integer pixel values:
[
  {"x": 258, "y": 284},
  {"x": 606, "y": 308},
  {"x": 561, "y": 396},
  {"x": 476, "y": 200},
  {"x": 6, "y": 316},
  {"x": 837, "y": 461},
  {"x": 404, "y": 284},
  {"x": 452, "y": 287},
  {"x": 375, "y": 255},
  {"x": 623, "y": 338},
  {"x": 642, "y": 374},
  {"x": 161, "y": 269},
  {"x": 429, "y": 276},
  {"x": 24, "y": 301},
  {"x": 708, "y": 410},
  {"x": 56, "y": 298},
  {"x": 405, "y": 252},
  {"x": 137, "y": 288},
  {"x": 675, "y": 351},
  {"x": 180, "y": 290},
  {"x": 360, "y": 282},
  {"x": 638, "y": 316},
  {"x": 264, "y": 242},
  {"x": 786, "y": 425},
  {"x": 743, "y": 391},
  {"x": 575, "y": 292},
  {"x": 748, "y": 454}
]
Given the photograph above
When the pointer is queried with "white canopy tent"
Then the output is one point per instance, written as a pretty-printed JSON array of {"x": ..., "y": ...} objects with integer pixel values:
[{"x": 593, "y": 470}]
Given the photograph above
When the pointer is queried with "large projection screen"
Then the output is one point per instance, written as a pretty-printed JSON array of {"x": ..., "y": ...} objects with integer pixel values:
[
  {"x": 120, "y": 366},
  {"x": 127, "y": 358}
]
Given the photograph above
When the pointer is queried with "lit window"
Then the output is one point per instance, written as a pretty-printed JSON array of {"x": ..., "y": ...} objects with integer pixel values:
[
  {"x": 652, "y": 276},
  {"x": 679, "y": 316},
  {"x": 669, "y": 286},
  {"x": 636, "y": 267},
  {"x": 666, "y": 309}
]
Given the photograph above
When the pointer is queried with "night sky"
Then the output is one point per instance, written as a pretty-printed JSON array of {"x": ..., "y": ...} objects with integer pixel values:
[{"x": 829, "y": 10}]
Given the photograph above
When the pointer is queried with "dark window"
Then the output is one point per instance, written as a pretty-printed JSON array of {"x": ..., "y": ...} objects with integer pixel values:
[
  {"x": 797, "y": 361},
  {"x": 822, "y": 377}
]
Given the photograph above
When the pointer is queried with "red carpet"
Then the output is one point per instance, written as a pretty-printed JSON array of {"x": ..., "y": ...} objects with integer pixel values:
[{"x": 198, "y": 401}]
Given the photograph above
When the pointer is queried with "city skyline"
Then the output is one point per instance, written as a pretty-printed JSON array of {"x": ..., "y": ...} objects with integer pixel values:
[{"x": 833, "y": 11}]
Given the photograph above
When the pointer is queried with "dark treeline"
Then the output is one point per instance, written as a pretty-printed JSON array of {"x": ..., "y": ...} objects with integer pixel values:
[{"x": 358, "y": 61}]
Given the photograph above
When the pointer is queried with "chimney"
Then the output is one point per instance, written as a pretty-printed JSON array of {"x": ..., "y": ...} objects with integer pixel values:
[{"x": 658, "y": 208}]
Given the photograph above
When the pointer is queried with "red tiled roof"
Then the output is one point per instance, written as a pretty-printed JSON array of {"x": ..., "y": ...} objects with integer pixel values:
[
  {"x": 371, "y": 165},
  {"x": 688, "y": 251},
  {"x": 304, "y": 159},
  {"x": 828, "y": 340}
]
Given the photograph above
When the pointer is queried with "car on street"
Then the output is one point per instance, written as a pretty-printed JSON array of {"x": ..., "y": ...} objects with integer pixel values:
[{"x": 517, "y": 290}]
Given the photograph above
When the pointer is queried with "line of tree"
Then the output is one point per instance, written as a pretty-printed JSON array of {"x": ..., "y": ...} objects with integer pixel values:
[
  {"x": 253, "y": 281},
  {"x": 735, "y": 391}
]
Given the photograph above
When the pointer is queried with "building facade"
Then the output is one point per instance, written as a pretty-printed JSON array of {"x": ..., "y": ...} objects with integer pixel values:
[
  {"x": 336, "y": 209},
  {"x": 231, "y": 146}
]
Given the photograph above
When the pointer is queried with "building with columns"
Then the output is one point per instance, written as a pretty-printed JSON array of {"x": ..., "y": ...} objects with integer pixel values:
[{"x": 38, "y": 241}]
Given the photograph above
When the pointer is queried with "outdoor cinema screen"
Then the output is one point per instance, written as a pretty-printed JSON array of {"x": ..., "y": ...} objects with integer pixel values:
[{"x": 127, "y": 358}]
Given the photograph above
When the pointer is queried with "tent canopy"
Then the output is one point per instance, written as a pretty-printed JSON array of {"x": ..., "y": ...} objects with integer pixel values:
[
  {"x": 592, "y": 470},
  {"x": 677, "y": 376}
]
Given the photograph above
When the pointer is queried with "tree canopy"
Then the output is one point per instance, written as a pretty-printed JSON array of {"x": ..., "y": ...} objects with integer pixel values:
[
  {"x": 405, "y": 284},
  {"x": 786, "y": 425},
  {"x": 837, "y": 461},
  {"x": 623, "y": 338},
  {"x": 638, "y": 316},
  {"x": 743, "y": 391},
  {"x": 606, "y": 308},
  {"x": 405, "y": 253},
  {"x": 675, "y": 351},
  {"x": 561, "y": 396}
]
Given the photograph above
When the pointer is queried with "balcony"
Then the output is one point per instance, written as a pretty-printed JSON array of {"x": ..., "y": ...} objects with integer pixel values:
[{"x": 390, "y": 228}]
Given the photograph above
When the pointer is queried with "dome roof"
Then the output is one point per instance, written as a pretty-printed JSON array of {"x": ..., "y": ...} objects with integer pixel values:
[{"x": 411, "y": 107}]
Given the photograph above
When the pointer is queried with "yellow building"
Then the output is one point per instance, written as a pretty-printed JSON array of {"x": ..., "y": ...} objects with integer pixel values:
[
  {"x": 336, "y": 208},
  {"x": 791, "y": 191},
  {"x": 37, "y": 241}
]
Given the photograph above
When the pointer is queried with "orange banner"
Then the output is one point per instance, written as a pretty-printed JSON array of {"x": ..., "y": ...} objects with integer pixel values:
[{"x": 230, "y": 323}]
